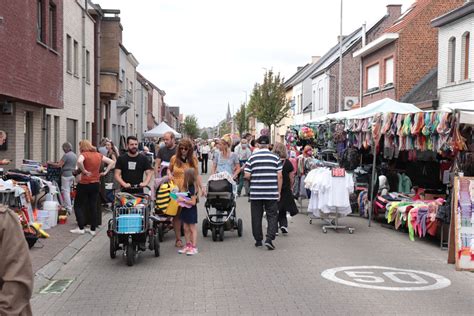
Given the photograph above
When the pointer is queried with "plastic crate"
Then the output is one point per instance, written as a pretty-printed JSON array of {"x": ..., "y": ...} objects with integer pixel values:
[{"x": 130, "y": 224}]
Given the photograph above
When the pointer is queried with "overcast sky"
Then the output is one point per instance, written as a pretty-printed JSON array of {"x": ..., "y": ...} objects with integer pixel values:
[{"x": 208, "y": 53}]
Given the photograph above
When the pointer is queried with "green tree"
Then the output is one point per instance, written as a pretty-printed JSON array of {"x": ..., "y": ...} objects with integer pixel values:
[
  {"x": 224, "y": 128},
  {"x": 268, "y": 102},
  {"x": 241, "y": 120},
  {"x": 190, "y": 127},
  {"x": 204, "y": 135}
]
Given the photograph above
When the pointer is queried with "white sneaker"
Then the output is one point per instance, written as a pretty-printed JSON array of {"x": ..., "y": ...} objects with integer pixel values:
[
  {"x": 92, "y": 232},
  {"x": 77, "y": 231},
  {"x": 87, "y": 229}
]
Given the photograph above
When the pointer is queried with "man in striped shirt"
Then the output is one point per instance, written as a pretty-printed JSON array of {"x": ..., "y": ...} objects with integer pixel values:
[{"x": 263, "y": 169}]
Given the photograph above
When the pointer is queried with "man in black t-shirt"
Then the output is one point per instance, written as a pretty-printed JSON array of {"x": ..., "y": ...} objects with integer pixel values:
[
  {"x": 165, "y": 153},
  {"x": 131, "y": 168}
]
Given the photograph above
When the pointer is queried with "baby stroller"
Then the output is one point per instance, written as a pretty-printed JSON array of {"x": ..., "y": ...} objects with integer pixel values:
[
  {"x": 162, "y": 221},
  {"x": 130, "y": 229},
  {"x": 220, "y": 196}
]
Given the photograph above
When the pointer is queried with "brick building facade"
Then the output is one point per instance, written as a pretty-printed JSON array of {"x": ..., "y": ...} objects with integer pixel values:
[
  {"x": 398, "y": 53},
  {"x": 31, "y": 70}
]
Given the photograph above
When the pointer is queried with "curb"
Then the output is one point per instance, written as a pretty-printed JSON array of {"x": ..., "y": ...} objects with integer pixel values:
[{"x": 44, "y": 275}]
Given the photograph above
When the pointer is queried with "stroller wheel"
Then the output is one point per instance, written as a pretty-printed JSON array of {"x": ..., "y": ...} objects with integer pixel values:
[
  {"x": 205, "y": 227},
  {"x": 214, "y": 233},
  {"x": 239, "y": 227},
  {"x": 156, "y": 244},
  {"x": 130, "y": 254},
  {"x": 113, "y": 246},
  {"x": 221, "y": 233},
  {"x": 161, "y": 232}
]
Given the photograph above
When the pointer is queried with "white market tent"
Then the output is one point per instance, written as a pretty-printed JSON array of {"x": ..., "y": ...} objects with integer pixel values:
[
  {"x": 386, "y": 105},
  {"x": 160, "y": 130},
  {"x": 466, "y": 110}
]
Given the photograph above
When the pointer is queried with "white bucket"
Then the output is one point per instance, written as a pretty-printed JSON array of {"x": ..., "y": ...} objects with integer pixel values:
[
  {"x": 43, "y": 219},
  {"x": 52, "y": 207}
]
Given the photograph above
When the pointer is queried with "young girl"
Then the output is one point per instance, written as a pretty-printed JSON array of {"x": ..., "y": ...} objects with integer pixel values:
[{"x": 189, "y": 215}]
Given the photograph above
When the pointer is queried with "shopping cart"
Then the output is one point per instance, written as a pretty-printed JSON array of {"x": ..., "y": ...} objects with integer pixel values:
[{"x": 130, "y": 228}]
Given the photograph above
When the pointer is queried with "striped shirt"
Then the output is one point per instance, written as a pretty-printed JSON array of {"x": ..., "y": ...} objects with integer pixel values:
[{"x": 264, "y": 166}]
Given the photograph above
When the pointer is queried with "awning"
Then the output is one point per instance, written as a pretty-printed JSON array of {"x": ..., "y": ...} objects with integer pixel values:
[
  {"x": 160, "y": 130},
  {"x": 466, "y": 110}
]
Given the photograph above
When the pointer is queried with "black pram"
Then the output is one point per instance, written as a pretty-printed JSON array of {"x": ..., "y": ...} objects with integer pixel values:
[{"x": 221, "y": 198}]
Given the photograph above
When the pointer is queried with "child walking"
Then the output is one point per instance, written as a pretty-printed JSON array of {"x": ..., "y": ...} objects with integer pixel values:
[{"x": 189, "y": 214}]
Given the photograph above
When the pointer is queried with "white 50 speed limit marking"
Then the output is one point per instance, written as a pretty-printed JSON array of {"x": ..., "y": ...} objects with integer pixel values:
[{"x": 374, "y": 277}]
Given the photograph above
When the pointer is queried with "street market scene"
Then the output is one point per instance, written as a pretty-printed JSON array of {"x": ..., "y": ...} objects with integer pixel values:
[{"x": 216, "y": 171}]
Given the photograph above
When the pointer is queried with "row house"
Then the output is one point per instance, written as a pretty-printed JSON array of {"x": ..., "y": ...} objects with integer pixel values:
[
  {"x": 74, "y": 121},
  {"x": 402, "y": 63},
  {"x": 67, "y": 76},
  {"x": 32, "y": 75},
  {"x": 455, "y": 58},
  {"x": 313, "y": 90}
]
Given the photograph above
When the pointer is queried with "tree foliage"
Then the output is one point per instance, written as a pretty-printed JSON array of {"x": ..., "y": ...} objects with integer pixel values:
[
  {"x": 241, "y": 119},
  {"x": 224, "y": 128},
  {"x": 268, "y": 101},
  {"x": 204, "y": 135},
  {"x": 190, "y": 126}
]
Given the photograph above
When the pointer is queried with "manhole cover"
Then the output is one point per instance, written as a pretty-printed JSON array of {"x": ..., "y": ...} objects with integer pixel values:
[{"x": 56, "y": 286}]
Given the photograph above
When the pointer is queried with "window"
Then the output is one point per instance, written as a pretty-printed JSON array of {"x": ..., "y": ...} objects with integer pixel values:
[
  {"x": 314, "y": 100},
  {"x": 466, "y": 39},
  {"x": 88, "y": 66},
  {"x": 321, "y": 98},
  {"x": 451, "y": 59},
  {"x": 56, "y": 138},
  {"x": 373, "y": 77},
  {"x": 52, "y": 26},
  {"x": 40, "y": 21},
  {"x": 71, "y": 133},
  {"x": 389, "y": 71},
  {"x": 76, "y": 58},
  {"x": 69, "y": 53},
  {"x": 48, "y": 138},
  {"x": 27, "y": 134}
]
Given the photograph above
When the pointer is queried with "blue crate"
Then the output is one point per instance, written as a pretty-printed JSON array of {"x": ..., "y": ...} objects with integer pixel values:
[{"x": 130, "y": 224}]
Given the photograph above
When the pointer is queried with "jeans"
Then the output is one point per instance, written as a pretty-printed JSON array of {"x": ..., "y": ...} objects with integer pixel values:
[
  {"x": 256, "y": 210},
  {"x": 242, "y": 181},
  {"x": 85, "y": 206},
  {"x": 205, "y": 158},
  {"x": 66, "y": 183}
]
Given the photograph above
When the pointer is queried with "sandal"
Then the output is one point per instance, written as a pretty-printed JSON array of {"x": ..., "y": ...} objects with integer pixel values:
[{"x": 179, "y": 243}]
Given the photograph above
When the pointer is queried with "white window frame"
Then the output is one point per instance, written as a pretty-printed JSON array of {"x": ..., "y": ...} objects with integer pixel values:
[{"x": 373, "y": 76}]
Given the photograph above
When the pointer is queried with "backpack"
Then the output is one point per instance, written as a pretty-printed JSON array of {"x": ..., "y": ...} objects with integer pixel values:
[{"x": 164, "y": 204}]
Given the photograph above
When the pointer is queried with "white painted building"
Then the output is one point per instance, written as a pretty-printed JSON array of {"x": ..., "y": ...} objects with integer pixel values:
[
  {"x": 123, "y": 112},
  {"x": 455, "y": 54},
  {"x": 74, "y": 122},
  {"x": 320, "y": 95}
]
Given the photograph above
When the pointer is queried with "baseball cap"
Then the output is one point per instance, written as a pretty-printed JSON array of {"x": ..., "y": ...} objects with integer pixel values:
[{"x": 263, "y": 140}]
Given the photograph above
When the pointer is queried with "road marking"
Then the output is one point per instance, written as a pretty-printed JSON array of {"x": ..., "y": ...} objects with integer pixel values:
[{"x": 373, "y": 277}]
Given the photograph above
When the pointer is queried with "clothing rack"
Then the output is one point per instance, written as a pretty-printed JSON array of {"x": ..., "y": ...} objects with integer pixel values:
[{"x": 332, "y": 221}]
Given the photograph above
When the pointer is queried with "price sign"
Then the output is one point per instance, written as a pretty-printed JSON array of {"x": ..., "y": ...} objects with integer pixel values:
[{"x": 338, "y": 172}]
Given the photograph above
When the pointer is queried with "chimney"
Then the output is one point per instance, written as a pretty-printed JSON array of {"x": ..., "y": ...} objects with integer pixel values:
[
  {"x": 339, "y": 37},
  {"x": 394, "y": 10},
  {"x": 364, "y": 31},
  {"x": 315, "y": 59}
]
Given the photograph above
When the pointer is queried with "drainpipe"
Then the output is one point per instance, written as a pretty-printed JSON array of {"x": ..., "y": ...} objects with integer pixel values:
[
  {"x": 97, "y": 105},
  {"x": 361, "y": 86},
  {"x": 45, "y": 138},
  {"x": 83, "y": 88}
]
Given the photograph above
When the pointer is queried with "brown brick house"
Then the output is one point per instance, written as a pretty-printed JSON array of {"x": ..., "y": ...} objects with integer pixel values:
[
  {"x": 31, "y": 73},
  {"x": 405, "y": 55}
]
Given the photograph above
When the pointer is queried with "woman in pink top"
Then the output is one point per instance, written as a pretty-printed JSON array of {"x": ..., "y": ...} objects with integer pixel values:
[{"x": 89, "y": 163}]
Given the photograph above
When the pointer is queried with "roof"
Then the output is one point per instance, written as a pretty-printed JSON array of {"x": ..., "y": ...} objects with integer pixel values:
[
  {"x": 425, "y": 90},
  {"x": 408, "y": 16},
  {"x": 290, "y": 82},
  {"x": 454, "y": 15}
]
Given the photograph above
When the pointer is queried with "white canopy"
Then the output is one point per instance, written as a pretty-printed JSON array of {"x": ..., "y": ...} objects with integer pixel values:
[
  {"x": 160, "y": 130},
  {"x": 381, "y": 106},
  {"x": 465, "y": 108}
]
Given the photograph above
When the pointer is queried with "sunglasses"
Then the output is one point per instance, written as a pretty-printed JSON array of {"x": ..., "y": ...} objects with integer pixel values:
[{"x": 184, "y": 149}]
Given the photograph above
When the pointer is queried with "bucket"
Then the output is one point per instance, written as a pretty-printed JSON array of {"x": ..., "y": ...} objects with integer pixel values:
[
  {"x": 43, "y": 219},
  {"x": 52, "y": 208}
]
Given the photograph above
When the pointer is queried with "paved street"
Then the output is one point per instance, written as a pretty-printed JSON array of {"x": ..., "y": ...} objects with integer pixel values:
[{"x": 234, "y": 277}]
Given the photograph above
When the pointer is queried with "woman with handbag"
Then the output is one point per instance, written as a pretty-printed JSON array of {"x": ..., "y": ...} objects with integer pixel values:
[{"x": 182, "y": 160}]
